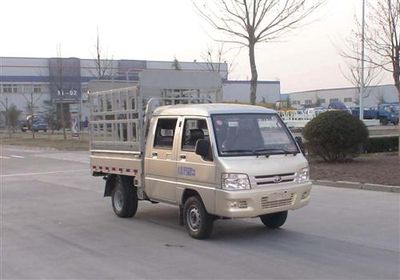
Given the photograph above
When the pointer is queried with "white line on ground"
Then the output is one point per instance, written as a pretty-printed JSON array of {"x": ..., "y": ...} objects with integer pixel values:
[
  {"x": 43, "y": 173},
  {"x": 15, "y": 156},
  {"x": 4, "y": 157}
]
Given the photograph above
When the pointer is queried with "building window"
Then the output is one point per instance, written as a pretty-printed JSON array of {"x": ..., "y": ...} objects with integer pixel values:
[
  {"x": 7, "y": 88},
  {"x": 37, "y": 88},
  {"x": 333, "y": 100},
  {"x": 296, "y": 102},
  {"x": 308, "y": 101},
  {"x": 348, "y": 99},
  {"x": 322, "y": 100}
]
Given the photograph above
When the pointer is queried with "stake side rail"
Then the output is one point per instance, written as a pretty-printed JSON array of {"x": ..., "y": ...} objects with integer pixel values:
[{"x": 116, "y": 121}]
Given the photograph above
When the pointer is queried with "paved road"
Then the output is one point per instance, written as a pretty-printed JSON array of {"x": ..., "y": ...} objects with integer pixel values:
[{"x": 56, "y": 225}]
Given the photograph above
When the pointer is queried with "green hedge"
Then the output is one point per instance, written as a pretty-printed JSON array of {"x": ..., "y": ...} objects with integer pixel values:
[{"x": 382, "y": 144}]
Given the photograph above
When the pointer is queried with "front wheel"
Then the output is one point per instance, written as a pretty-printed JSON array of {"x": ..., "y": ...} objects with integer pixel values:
[
  {"x": 198, "y": 222},
  {"x": 124, "y": 197},
  {"x": 274, "y": 220}
]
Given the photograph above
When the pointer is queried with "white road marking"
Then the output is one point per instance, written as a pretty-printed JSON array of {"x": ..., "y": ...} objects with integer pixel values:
[
  {"x": 15, "y": 156},
  {"x": 4, "y": 157},
  {"x": 43, "y": 173}
]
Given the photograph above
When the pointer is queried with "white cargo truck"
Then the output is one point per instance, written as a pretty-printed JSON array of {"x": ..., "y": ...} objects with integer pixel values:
[{"x": 212, "y": 160}]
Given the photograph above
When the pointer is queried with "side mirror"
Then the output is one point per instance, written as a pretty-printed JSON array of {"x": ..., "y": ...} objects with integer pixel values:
[{"x": 202, "y": 148}]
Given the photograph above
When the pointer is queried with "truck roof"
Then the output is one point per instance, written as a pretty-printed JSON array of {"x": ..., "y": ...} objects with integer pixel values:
[{"x": 208, "y": 109}]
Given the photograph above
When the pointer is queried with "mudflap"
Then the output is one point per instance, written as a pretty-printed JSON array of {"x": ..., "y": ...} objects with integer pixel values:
[{"x": 110, "y": 183}]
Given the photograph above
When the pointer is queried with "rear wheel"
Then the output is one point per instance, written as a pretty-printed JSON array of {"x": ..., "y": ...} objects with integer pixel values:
[
  {"x": 198, "y": 222},
  {"x": 124, "y": 197},
  {"x": 274, "y": 220},
  {"x": 383, "y": 121}
]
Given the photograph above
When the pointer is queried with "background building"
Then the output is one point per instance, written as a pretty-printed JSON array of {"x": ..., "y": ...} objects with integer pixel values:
[
  {"x": 374, "y": 95},
  {"x": 238, "y": 91},
  {"x": 39, "y": 85}
]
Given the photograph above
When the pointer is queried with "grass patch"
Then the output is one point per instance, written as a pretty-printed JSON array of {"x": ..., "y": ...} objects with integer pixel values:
[{"x": 46, "y": 140}]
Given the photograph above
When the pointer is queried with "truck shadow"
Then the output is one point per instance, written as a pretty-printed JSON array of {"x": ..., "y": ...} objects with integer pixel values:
[{"x": 229, "y": 229}]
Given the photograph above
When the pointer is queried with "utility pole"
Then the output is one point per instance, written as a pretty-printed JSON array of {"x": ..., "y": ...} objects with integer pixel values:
[{"x": 362, "y": 61}]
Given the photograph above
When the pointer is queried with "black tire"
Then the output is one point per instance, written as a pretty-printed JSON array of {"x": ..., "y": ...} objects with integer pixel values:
[
  {"x": 274, "y": 220},
  {"x": 124, "y": 197},
  {"x": 198, "y": 222},
  {"x": 383, "y": 121}
]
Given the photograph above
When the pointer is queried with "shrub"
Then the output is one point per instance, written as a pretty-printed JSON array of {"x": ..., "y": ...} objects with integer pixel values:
[
  {"x": 335, "y": 136},
  {"x": 382, "y": 144}
]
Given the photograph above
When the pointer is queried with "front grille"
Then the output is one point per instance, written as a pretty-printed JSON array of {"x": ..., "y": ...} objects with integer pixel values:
[
  {"x": 266, "y": 203},
  {"x": 274, "y": 179}
]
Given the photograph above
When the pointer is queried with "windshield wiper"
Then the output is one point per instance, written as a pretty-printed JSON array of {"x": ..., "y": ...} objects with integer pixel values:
[
  {"x": 270, "y": 151},
  {"x": 238, "y": 151}
]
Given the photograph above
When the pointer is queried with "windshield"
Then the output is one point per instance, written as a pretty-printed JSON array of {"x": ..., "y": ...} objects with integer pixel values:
[{"x": 252, "y": 134}]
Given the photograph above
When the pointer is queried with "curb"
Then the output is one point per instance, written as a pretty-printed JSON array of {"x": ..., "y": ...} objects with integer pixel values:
[{"x": 357, "y": 185}]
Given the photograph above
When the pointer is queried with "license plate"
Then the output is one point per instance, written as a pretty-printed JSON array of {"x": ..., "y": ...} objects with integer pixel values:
[{"x": 279, "y": 196}]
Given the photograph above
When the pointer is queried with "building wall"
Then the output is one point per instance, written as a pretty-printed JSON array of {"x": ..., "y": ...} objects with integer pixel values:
[
  {"x": 196, "y": 66},
  {"x": 22, "y": 76},
  {"x": 239, "y": 91},
  {"x": 349, "y": 96}
]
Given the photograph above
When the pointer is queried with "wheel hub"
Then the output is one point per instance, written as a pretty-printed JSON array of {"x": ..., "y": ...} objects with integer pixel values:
[
  {"x": 193, "y": 218},
  {"x": 118, "y": 200}
]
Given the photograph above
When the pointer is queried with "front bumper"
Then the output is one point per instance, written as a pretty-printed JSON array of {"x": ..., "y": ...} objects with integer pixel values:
[{"x": 260, "y": 201}]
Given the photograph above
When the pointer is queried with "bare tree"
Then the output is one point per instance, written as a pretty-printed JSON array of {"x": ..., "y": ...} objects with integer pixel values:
[
  {"x": 6, "y": 114},
  {"x": 351, "y": 52},
  {"x": 215, "y": 58},
  {"x": 383, "y": 38},
  {"x": 11, "y": 115},
  {"x": 248, "y": 22},
  {"x": 103, "y": 64},
  {"x": 57, "y": 81},
  {"x": 30, "y": 106},
  {"x": 176, "y": 65}
]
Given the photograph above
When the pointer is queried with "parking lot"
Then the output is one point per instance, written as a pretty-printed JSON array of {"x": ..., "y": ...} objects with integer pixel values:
[{"x": 55, "y": 224}]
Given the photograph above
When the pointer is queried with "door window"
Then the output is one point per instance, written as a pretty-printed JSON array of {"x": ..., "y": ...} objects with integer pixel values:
[
  {"x": 193, "y": 130},
  {"x": 165, "y": 132}
]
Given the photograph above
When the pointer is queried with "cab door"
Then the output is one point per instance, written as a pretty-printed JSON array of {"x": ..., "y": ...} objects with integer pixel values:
[
  {"x": 161, "y": 161},
  {"x": 193, "y": 171}
]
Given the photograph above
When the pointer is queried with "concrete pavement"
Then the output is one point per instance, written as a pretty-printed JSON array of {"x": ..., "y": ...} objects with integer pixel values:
[{"x": 55, "y": 224}]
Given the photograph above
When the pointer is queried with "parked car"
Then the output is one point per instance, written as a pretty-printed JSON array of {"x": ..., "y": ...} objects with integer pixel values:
[
  {"x": 39, "y": 125},
  {"x": 388, "y": 113},
  {"x": 370, "y": 113},
  {"x": 35, "y": 123}
]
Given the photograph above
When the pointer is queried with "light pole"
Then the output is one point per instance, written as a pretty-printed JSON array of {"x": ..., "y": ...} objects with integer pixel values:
[{"x": 362, "y": 61}]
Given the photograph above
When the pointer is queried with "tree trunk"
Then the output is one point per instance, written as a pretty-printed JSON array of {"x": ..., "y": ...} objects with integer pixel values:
[
  {"x": 396, "y": 78},
  {"x": 397, "y": 85},
  {"x": 254, "y": 75}
]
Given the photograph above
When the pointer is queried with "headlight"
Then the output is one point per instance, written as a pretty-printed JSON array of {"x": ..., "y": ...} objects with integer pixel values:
[
  {"x": 302, "y": 176},
  {"x": 235, "y": 182}
]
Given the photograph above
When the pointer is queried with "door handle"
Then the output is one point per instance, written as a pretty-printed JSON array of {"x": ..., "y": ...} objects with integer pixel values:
[{"x": 182, "y": 156}]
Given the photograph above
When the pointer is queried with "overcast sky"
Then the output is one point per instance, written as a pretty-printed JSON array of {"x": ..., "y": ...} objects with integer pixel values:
[{"x": 164, "y": 29}]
